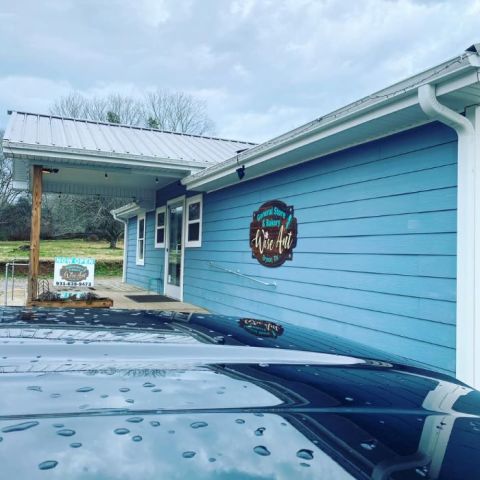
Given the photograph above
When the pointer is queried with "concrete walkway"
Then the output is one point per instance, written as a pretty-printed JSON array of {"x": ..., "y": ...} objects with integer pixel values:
[{"x": 105, "y": 287}]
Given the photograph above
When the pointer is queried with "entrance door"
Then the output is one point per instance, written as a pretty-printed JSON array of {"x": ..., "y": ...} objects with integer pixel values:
[{"x": 174, "y": 250}]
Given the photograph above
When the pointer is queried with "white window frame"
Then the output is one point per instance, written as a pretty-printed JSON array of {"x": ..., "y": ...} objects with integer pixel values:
[
  {"x": 188, "y": 202},
  {"x": 157, "y": 227},
  {"x": 138, "y": 260}
]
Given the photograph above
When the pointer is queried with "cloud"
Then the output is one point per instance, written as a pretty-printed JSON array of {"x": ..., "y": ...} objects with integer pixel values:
[
  {"x": 261, "y": 66},
  {"x": 29, "y": 94}
]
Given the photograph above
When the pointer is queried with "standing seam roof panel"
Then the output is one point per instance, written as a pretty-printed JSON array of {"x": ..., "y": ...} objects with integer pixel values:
[{"x": 70, "y": 133}]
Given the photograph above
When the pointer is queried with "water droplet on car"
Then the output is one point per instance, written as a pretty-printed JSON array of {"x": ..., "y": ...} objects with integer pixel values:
[
  {"x": 263, "y": 365},
  {"x": 84, "y": 389},
  {"x": 156, "y": 390},
  {"x": 121, "y": 431},
  {"x": 239, "y": 420},
  {"x": 422, "y": 471},
  {"x": 155, "y": 423},
  {"x": 369, "y": 444},
  {"x": 188, "y": 454},
  {"x": 66, "y": 432},
  {"x": 55, "y": 395},
  {"x": 58, "y": 425},
  {"x": 349, "y": 399},
  {"x": 76, "y": 445},
  {"x": 171, "y": 431},
  {"x": 475, "y": 426},
  {"x": 124, "y": 389},
  {"x": 212, "y": 459},
  {"x": 47, "y": 465},
  {"x": 137, "y": 438},
  {"x": 259, "y": 431},
  {"x": 305, "y": 454},
  {"x": 34, "y": 388},
  {"x": 199, "y": 424},
  {"x": 258, "y": 414},
  {"x": 19, "y": 427},
  {"x": 104, "y": 396},
  {"x": 135, "y": 419},
  {"x": 130, "y": 400},
  {"x": 148, "y": 385},
  {"x": 261, "y": 450}
]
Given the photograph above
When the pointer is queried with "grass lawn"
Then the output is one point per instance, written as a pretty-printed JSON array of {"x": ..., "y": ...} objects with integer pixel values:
[
  {"x": 49, "y": 249},
  {"x": 109, "y": 261}
]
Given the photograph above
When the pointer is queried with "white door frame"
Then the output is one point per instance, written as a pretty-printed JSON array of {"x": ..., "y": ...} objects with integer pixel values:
[{"x": 176, "y": 200}]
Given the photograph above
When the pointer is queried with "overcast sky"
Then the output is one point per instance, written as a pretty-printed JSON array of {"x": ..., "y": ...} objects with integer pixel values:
[{"x": 262, "y": 66}]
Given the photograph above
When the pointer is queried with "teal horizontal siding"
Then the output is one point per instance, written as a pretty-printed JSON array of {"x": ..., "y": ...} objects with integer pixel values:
[
  {"x": 145, "y": 276},
  {"x": 376, "y": 251}
]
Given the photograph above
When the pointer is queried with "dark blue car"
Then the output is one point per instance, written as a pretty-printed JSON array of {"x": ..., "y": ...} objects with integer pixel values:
[{"x": 94, "y": 394}]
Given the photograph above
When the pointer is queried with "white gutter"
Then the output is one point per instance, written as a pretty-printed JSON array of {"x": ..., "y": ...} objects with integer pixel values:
[{"x": 466, "y": 204}]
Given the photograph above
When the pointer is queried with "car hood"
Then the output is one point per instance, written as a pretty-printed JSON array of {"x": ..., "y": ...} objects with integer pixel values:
[{"x": 135, "y": 395}]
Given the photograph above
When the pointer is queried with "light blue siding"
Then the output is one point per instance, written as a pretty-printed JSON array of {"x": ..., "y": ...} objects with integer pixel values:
[
  {"x": 376, "y": 253},
  {"x": 147, "y": 275}
]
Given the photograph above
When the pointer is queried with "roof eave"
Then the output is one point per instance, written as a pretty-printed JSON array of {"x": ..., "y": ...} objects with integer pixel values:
[
  {"x": 52, "y": 154},
  {"x": 390, "y": 100}
]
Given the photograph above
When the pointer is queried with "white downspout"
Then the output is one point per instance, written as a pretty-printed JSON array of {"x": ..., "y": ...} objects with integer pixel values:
[
  {"x": 466, "y": 311},
  {"x": 125, "y": 244}
]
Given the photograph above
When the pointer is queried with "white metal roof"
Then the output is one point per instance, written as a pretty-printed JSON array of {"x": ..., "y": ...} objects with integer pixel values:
[
  {"x": 390, "y": 110},
  {"x": 54, "y": 133}
]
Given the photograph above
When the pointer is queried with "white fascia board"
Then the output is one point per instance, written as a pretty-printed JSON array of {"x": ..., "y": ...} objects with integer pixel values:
[
  {"x": 40, "y": 152},
  {"x": 221, "y": 174}
]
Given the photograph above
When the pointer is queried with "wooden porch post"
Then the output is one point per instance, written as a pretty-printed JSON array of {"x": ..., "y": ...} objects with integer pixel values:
[{"x": 34, "y": 265}]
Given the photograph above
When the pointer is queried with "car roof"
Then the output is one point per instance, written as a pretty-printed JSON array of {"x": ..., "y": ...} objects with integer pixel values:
[{"x": 150, "y": 393}]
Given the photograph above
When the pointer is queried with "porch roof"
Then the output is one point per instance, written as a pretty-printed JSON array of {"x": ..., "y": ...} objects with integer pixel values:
[{"x": 91, "y": 157}]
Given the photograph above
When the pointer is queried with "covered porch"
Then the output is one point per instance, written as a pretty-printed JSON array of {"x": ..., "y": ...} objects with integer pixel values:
[{"x": 70, "y": 156}]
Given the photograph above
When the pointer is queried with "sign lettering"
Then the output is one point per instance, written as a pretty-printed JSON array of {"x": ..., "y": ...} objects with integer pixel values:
[{"x": 273, "y": 233}]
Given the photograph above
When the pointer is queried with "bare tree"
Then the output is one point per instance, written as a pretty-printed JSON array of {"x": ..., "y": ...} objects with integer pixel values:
[
  {"x": 99, "y": 221},
  {"x": 176, "y": 112},
  {"x": 114, "y": 108},
  {"x": 7, "y": 193},
  {"x": 161, "y": 109},
  {"x": 72, "y": 105}
]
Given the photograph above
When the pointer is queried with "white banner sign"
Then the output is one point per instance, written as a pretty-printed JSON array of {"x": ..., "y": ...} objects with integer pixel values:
[{"x": 74, "y": 272}]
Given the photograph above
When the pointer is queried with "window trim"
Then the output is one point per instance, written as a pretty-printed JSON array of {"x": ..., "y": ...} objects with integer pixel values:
[
  {"x": 188, "y": 202},
  {"x": 162, "y": 209},
  {"x": 138, "y": 260}
]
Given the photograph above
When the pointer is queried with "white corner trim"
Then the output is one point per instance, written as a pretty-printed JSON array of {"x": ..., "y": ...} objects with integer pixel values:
[
  {"x": 466, "y": 312},
  {"x": 473, "y": 114}
]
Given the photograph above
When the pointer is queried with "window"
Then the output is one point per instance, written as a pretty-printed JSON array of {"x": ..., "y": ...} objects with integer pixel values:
[
  {"x": 194, "y": 221},
  {"x": 140, "y": 240},
  {"x": 160, "y": 227}
]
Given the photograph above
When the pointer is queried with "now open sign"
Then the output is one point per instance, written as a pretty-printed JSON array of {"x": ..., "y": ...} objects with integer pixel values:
[{"x": 74, "y": 272}]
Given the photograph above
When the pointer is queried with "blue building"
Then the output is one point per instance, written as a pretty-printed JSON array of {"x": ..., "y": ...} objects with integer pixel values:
[{"x": 362, "y": 223}]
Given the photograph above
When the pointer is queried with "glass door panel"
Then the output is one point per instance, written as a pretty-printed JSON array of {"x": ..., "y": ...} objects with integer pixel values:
[{"x": 174, "y": 249}]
